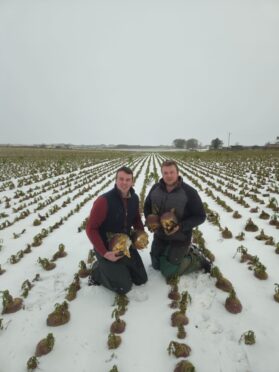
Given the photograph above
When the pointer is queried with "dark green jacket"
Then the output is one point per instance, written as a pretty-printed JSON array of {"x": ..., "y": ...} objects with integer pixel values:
[{"x": 186, "y": 202}]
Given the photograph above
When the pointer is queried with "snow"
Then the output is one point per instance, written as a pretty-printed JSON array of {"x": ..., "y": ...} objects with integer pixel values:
[{"x": 80, "y": 345}]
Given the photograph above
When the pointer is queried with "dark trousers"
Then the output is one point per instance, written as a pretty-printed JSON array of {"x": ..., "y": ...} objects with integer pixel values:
[
  {"x": 120, "y": 275},
  {"x": 174, "y": 251}
]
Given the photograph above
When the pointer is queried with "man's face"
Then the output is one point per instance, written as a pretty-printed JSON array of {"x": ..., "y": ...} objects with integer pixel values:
[
  {"x": 170, "y": 175},
  {"x": 124, "y": 182}
]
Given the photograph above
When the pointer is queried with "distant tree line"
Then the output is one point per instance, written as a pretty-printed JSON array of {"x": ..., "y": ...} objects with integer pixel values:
[
  {"x": 194, "y": 144},
  {"x": 190, "y": 144}
]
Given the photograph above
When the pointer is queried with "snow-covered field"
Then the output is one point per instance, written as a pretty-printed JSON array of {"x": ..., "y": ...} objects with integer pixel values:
[{"x": 81, "y": 345}]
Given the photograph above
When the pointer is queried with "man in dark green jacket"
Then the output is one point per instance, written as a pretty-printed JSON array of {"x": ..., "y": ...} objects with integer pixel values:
[{"x": 171, "y": 251}]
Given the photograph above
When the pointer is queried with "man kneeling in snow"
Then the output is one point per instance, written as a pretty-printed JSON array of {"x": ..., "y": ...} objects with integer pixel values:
[
  {"x": 172, "y": 208},
  {"x": 112, "y": 217}
]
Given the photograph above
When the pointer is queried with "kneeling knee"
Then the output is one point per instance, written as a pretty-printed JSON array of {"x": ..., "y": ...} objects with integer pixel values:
[
  {"x": 144, "y": 280},
  {"x": 124, "y": 289},
  {"x": 155, "y": 262}
]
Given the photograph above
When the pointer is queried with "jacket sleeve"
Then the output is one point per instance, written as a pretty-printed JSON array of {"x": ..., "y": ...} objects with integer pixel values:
[
  {"x": 137, "y": 223},
  {"x": 147, "y": 208},
  {"x": 194, "y": 212},
  {"x": 97, "y": 216}
]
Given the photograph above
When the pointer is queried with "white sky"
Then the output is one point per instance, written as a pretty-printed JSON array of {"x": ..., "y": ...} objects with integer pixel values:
[{"x": 139, "y": 72}]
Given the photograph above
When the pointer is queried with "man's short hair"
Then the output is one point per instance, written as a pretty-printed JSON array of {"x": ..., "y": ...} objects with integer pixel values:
[
  {"x": 126, "y": 170},
  {"x": 168, "y": 163}
]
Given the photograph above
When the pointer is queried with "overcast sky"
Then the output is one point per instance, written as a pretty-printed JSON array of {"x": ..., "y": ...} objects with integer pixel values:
[{"x": 139, "y": 71}]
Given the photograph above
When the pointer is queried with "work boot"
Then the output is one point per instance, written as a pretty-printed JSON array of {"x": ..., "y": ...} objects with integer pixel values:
[
  {"x": 206, "y": 264},
  {"x": 204, "y": 261},
  {"x": 93, "y": 274}
]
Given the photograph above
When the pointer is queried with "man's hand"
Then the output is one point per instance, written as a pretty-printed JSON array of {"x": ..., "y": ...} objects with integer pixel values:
[
  {"x": 174, "y": 230},
  {"x": 112, "y": 256}
]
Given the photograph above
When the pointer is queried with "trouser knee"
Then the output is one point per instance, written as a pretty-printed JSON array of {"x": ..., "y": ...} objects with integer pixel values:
[
  {"x": 155, "y": 262},
  {"x": 123, "y": 289},
  {"x": 143, "y": 280}
]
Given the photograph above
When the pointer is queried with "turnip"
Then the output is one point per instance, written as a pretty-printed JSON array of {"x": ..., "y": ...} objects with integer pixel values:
[
  {"x": 169, "y": 221},
  {"x": 120, "y": 243},
  {"x": 10, "y": 304},
  {"x": 179, "y": 350},
  {"x": 45, "y": 345},
  {"x": 59, "y": 316},
  {"x": 139, "y": 239},
  {"x": 184, "y": 366},
  {"x": 152, "y": 222},
  {"x": 232, "y": 303},
  {"x": 113, "y": 341},
  {"x": 118, "y": 326}
]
